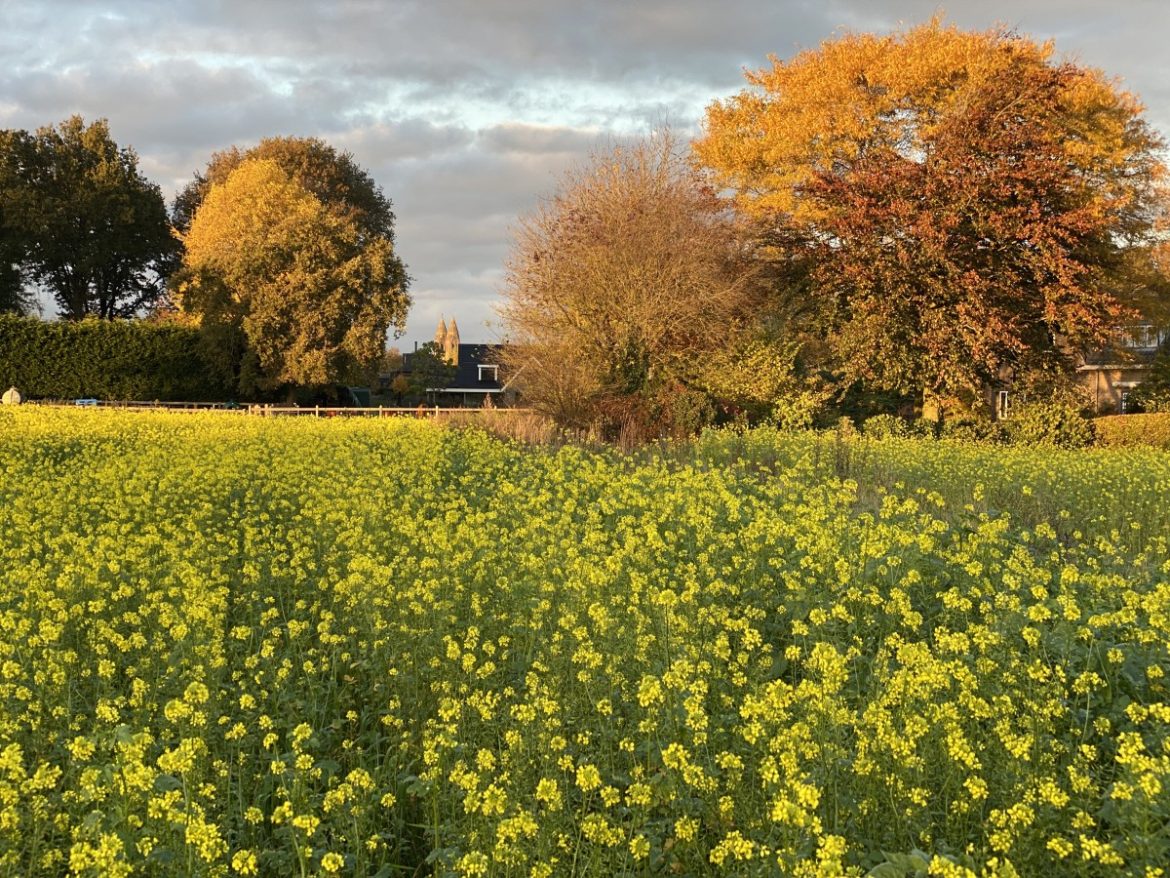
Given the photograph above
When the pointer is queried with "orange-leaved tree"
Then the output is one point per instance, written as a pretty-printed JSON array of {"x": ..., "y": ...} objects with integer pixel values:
[{"x": 944, "y": 207}]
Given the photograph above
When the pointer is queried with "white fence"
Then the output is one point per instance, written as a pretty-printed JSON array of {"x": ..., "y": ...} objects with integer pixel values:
[{"x": 275, "y": 411}]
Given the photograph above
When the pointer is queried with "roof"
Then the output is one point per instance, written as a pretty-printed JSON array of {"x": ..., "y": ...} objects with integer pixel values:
[
  {"x": 1118, "y": 357},
  {"x": 1131, "y": 347},
  {"x": 471, "y": 357}
]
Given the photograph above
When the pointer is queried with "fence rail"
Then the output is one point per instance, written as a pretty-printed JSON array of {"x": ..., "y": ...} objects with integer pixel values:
[
  {"x": 134, "y": 404},
  {"x": 323, "y": 411},
  {"x": 276, "y": 411}
]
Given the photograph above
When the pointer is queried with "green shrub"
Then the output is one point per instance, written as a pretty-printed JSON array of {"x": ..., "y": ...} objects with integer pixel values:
[
  {"x": 797, "y": 409},
  {"x": 885, "y": 427},
  {"x": 1148, "y": 429},
  {"x": 105, "y": 359},
  {"x": 973, "y": 429},
  {"x": 1151, "y": 397},
  {"x": 1059, "y": 423},
  {"x": 688, "y": 411},
  {"x": 1153, "y": 394}
]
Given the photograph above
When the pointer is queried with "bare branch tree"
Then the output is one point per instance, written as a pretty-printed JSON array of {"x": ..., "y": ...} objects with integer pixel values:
[{"x": 617, "y": 283}]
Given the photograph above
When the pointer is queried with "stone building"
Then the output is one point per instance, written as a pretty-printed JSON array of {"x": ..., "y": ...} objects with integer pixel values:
[
  {"x": 447, "y": 340},
  {"x": 1107, "y": 375}
]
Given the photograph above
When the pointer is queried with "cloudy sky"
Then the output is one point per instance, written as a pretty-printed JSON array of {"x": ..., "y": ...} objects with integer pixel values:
[{"x": 465, "y": 111}]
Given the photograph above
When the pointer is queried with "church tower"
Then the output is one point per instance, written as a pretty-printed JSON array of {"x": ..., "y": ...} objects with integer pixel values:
[
  {"x": 451, "y": 349},
  {"x": 441, "y": 336}
]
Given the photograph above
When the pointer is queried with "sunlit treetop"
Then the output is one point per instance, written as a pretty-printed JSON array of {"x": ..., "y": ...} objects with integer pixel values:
[
  {"x": 829, "y": 107},
  {"x": 312, "y": 294},
  {"x": 946, "y": 205}
]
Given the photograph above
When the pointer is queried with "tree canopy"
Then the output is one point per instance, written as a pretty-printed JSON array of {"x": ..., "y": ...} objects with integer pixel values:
[
  {"x": 429, "y": 370},
  {"x": 617, "y": 284},
  {"x": 943, "y": 207},
  {"x": 80, "y": 220},
  {"x": 13, "y": 298},
  {"x": 333, "y": 177},
  {"x": 311, "y": 290}
]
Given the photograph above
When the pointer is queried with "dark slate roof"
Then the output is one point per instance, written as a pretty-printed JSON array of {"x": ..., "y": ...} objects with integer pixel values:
[
  {"x": 1133, "y": 347},
  {"x": 1118, "y": 356},
  {"x": 471, "y": 357}
]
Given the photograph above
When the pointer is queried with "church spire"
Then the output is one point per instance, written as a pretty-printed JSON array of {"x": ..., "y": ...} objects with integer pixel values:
[
  {"x": 441, "y": 336},
  {"x": 452, "y": 346}
]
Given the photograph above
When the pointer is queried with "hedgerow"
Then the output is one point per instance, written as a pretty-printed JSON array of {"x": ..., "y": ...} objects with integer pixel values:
[
  {"x": 119, "y": 359},
  {"x": 1144, "y": 429}
]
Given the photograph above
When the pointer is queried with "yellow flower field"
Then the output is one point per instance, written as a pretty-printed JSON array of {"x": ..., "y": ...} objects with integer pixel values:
[{"x": 241, "y": 646}]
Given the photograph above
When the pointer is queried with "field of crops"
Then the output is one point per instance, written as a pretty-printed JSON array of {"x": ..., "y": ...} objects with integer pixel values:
[{"x": 237, "y": 646}]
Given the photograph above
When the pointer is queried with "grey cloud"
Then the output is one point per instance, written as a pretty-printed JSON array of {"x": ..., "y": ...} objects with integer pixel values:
[
  {"x": 518, "y": 138},
  {"x": 456, "y": 213},
  {"x": 465, "y": 111},
  {"x": 156, "y": 105},
  {"x": 411, "y": 139},
  {"x": 461, "y": 43}
]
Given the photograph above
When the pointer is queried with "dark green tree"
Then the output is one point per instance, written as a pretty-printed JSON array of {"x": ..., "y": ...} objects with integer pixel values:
[
  {"x": 1153, "y": 394},
  {"x": 429, "y": 370},
  {"x": 82, "y": 221},
  {"x": 13, "y": 298}
]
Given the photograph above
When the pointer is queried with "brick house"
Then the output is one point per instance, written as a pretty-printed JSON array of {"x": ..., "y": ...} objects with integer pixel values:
[{"x": 1108, "y": 375}]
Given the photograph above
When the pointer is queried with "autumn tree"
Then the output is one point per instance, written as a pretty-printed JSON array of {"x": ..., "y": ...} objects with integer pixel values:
[
  {"x": 333, "y": 177},
  {"x": 400, "y": 386},
  {"x": 305, "y": 285},
  {"x": 618, "y": 284},
  {"x": 942, "y": 208},
  {"x": 80, "y": 220}
]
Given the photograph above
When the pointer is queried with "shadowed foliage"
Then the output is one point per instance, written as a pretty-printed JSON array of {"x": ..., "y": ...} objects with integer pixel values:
[{"x": 78, "y": 218}]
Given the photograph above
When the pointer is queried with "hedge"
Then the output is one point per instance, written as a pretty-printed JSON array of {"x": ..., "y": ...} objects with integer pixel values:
[
  {"x": 1134, "y": 430},
  {"x": 122, "y": 359}
]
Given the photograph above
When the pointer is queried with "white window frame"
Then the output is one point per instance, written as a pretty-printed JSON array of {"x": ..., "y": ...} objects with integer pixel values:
[
  {"x": 1001, "y": 404},
  {"x": 495, "y": 370},
  {"x": 1142, "y": 337}
]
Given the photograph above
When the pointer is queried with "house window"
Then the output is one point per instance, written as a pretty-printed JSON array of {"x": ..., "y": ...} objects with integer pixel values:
[
  {"x": 489, "y": 373},
  {"x": 1001, "y": 405},
  {"x": 1125, "y": 404},
  {"x": 1143, "y": 337}
]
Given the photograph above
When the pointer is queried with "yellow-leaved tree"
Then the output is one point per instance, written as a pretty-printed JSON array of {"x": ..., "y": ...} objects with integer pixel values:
[{"x": 307, "y": 293}]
